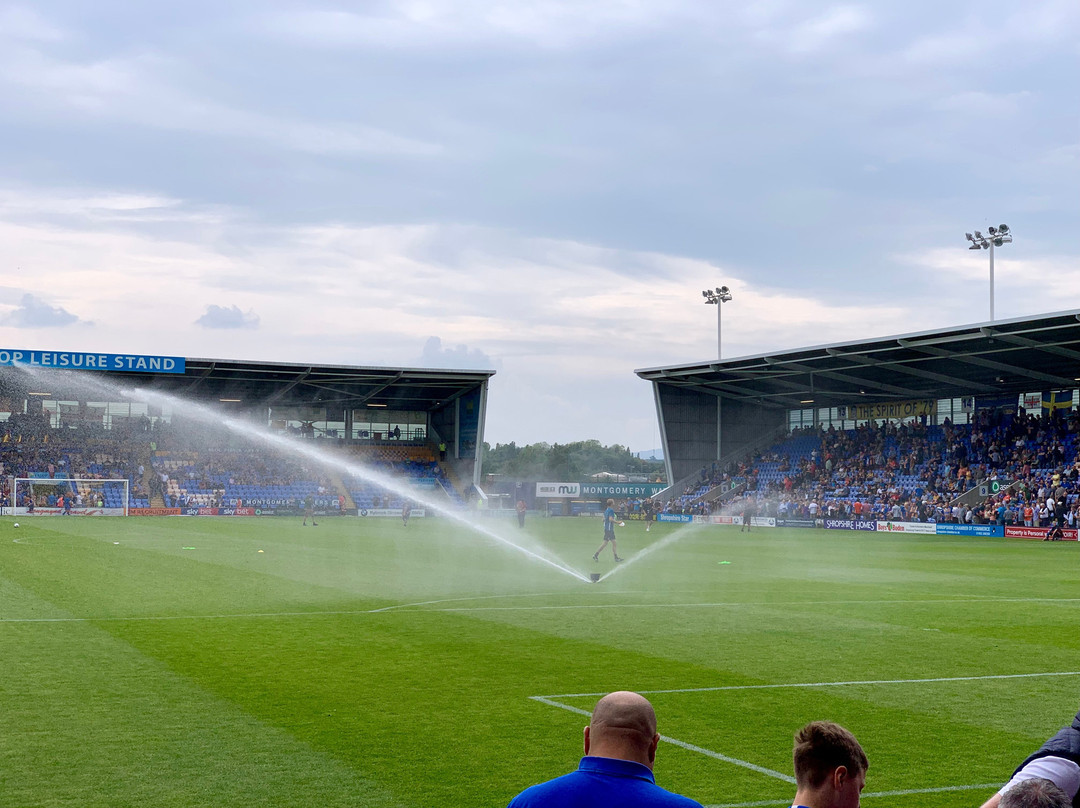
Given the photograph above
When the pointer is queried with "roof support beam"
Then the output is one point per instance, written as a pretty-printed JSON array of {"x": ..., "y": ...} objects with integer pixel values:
[
  {"x": 201, "y": 378},
  {"x": 843, "y": 377},
  {"x": 978, "y": 361},
  {"x": 1056, "y": 350},
  {"x": 859, "y": 359}
]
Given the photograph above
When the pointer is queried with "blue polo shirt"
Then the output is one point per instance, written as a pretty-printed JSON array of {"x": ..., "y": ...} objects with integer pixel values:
[{"x": 599, "y": 783}]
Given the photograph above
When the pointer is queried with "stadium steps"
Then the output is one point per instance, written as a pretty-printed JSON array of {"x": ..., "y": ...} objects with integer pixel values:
[
  {"x": 455, "y": 482},
  {"x": 340, "y": 489},
  {"x": 146, "y": 460}
]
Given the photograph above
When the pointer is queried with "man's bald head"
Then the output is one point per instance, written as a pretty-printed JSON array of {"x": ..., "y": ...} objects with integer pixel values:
[{"x": 623, "y": 726}]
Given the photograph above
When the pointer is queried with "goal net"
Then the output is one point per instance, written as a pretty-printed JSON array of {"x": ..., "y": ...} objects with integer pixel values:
[{"x": 75, "y": 496}]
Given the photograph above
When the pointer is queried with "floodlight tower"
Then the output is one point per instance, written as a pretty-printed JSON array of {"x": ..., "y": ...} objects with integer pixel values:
[
  {"x": 716, "y": 298},
  {"x": 997, "y": 236}
]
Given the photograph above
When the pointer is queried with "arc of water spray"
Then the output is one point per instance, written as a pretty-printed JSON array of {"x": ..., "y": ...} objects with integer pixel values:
[
  {"x": 317, "y": 455},
  {"x": 667, "y": 541}
]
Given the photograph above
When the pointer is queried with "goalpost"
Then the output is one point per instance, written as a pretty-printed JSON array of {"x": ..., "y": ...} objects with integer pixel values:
[{"x": 82, "y": 496}]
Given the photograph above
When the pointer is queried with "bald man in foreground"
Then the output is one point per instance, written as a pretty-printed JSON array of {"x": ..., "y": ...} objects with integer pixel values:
[{"x": 620, "y": 748}]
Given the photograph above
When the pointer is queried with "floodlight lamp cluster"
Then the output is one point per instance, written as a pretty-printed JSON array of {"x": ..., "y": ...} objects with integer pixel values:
[
  {"x": 720, "y": 295},
  {"x": 996, "y": 236}
]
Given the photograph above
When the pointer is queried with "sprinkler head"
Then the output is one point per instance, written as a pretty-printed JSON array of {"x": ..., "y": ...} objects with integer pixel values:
[{"x": 594, "y": 577}]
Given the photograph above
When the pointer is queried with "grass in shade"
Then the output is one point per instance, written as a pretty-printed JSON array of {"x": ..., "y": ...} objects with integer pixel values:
[{"x": 169, "y": 662}]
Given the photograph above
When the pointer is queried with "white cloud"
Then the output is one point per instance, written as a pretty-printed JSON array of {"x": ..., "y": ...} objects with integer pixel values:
[
  {"x": 33, "y": 312},
  {"x": 458, "y": 357},
  {"x": 228, "y": 317}
]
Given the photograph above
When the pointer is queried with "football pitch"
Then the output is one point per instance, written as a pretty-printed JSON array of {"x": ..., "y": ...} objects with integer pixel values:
[{"x": 256, "y": 662}]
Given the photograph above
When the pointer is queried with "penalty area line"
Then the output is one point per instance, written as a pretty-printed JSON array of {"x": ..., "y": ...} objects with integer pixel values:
[
  {"x": 682, "y": 744},
  {"x": 866, "y": 795}
]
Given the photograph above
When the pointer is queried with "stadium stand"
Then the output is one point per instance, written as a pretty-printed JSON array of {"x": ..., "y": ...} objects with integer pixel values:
[
  {"x": 165, "y": 469},
  {"x": 914, "y": 472}
]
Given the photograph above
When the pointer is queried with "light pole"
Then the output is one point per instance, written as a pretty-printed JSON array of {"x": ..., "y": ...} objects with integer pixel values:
[
  {"x": 997, "y": 236},
  {"x": 715, "y": 298}
]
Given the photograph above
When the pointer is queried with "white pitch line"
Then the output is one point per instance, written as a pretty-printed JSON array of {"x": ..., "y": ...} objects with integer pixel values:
[
  {"x": 458, "y": 600},
  {"x": 865, "y": 795},
  {"x": 260, "y": 615},
  {"x": 410, "y": 607},
  {"x": 738, "y": 604},
  {"x": 683, "y": 744},
  {"x": 828, "y": 684}
]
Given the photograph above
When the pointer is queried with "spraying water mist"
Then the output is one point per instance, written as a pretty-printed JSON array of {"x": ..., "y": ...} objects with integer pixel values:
[
  {"x": 667, "y": 541},
  {"x": 285, "y": 445}
]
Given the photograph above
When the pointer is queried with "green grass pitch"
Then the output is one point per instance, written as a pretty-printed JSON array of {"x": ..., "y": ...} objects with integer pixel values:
[{"x": 169, "y": 662}]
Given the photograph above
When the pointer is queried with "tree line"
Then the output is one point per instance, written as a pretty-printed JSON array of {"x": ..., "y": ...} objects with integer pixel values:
[{"x": 567, "y": 461}]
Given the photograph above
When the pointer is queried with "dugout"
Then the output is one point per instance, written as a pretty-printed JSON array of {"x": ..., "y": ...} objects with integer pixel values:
[
  {"x": 348, "y": 404},
  {"x": 720, "y": 410}
]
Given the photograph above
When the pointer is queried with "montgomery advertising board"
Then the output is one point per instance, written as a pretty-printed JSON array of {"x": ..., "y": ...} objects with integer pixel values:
[
  {"x": 594, "y": 490},
  {"x": 621, "y": 490},
  {"x": 558, "y": 489}
]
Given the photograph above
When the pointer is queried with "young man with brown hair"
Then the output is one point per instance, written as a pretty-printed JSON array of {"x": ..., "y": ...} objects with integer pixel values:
[{"x": 830, "y": 767}]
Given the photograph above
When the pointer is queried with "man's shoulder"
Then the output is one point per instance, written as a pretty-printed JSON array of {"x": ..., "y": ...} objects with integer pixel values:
[{"x": 583, "y": 788}]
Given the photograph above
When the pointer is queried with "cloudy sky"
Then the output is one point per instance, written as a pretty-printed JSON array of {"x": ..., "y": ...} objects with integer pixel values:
[{"x": 541, "y": 187}]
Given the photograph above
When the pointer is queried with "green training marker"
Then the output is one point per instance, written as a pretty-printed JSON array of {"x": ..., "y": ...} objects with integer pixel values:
[
  {"x": 723, "y": 562},
  {"x": 187, "y": 548}
]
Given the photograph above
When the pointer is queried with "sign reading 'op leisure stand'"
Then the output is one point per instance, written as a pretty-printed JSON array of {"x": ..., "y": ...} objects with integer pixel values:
[{"x": 69, "y": 360}]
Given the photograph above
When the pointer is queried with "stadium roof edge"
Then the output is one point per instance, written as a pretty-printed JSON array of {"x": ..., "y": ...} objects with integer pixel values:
[
  {"x": 985, "y": 358},
  {"x": 1075, "y": 313},
  {"x": 289, "y": 384},
  {"x": 318, "y": 366}
]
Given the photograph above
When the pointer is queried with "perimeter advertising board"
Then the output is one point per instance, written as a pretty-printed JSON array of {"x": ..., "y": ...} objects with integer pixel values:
[
  {"x": 925, "y": 528},
  {"x": 984, "y": 531},
  {"x": 39, "y": 511},
  {"x": 849, "y": 524},
  {"x": 621, "y": 490},
  {"x": 558, "y": 489},
  {"x": 1068, "y": 534},
  {"x": 375, "y": 512}
]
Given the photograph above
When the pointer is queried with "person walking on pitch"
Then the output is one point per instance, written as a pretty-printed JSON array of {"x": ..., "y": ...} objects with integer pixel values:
[{"x": 609, "y": 531}]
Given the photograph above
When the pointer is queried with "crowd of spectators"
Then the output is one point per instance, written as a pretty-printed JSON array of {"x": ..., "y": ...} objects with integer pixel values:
[
  {"x": 29, "y": 447},
  {"x": 911, "y": 472}
]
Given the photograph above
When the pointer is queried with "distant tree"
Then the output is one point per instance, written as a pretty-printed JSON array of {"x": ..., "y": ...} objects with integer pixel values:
[{"x": 566, "y": 461}]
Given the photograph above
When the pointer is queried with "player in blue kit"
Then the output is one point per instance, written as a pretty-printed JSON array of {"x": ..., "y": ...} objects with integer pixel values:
[{"x": 609, "y": 531}]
